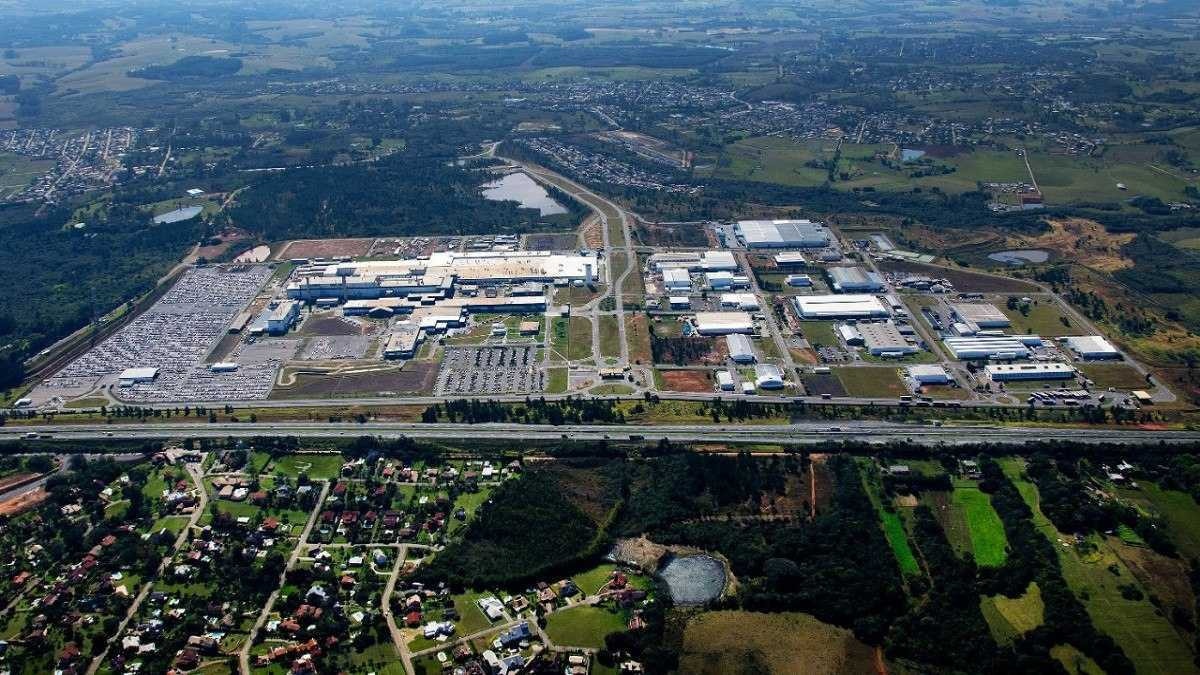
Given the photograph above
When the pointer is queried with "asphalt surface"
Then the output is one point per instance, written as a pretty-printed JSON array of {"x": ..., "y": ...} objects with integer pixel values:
[{"x": 800, "y": 433}]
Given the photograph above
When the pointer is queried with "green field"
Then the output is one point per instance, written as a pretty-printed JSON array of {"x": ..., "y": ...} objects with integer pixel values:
[
  {"x": 556, "y": 380},
  {"x": 1045, "y": 319},
  {"x": 984, "y": 527},
  {"x": 871, "y": 382},
  {"x": 583, "y": 626},
  {"x": 820, "y": 333},
  {"x": 579, "y": 345},
  {"x": 1181, "y": 513},
  {"x": 1145, "y": 635},
  {"x": 893, "y": 527},
  {"x": 1010, "y": 618},
  {"x": 317, "y": 467},
  {"x": 720, "y": 643},
  {"x": 610, "y": 337},
  {"x": 1116, "y": 375}
]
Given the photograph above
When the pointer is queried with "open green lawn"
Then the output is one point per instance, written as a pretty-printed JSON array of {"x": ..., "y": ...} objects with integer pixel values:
[
  {"x": 1144, "y": 634},
  {"x": 1116, "y": 375},
  {"x": 983, "y": 525},
  {"x": 610, "y": 337},
  {"x": 1044, "y": 318},
  {"x": 556, "y": 382},
  {"x": 871, "y": 382},
  {"x": 1181, "y": 514},
  {"x": 590, "y": 581},
  {"x": 893, "y": 527},
  {"x": 317, "y": 467},
  {"x": 1010, "y": 618},
  {"x": 819, "y": 333},
  {"x": 583, "y": 626},
  {"x": 172, "y": 524},
  {"x": 1075, "y": 661},
  {"x": 579, "y": 344}
]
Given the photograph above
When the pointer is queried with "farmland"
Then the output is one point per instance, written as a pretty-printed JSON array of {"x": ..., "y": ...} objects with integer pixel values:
[{"x": 727, "y": 642}]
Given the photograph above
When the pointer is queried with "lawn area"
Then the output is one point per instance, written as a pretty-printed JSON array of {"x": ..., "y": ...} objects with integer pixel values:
[
  {"x": 893, "y": 527},
  {"x": 1045, "y": 319},
  {"x": 1146, "y": 636},
  {"x": 1115, "y": 375},
  {"x": 172, "y": 524},
  {"x": 155, "y": 485},
  {"x": 637, "y": 334},
  {"x": 869, "y": 382},
  {"x": 556, "y": 382},
  {"x": 610, "y": 337},
  {"x": 1009, "y": 618},
  {"x": 716, "y": 643},
  {"x": 590, "y": 581},
  {"x": 579, "y": 342},
  {"x": 1075, "y": 661},
  {"x": 583, "y": 626},
  {"x": 317, "y": 467},
  {"x": 819, "y": 333},
  {"x": 471, "y": 619},
  {"x": 1181, "y": 513},
  {"x": 380, "y": 658},
  {"x": 983, "y": 525}
]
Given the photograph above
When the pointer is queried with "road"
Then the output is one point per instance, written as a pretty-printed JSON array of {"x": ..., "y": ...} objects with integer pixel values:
[
  {"x": 385, "y": 606},
  {"x": 198, "y": 479},
  {"x": 244, "y": 652},
  {"x": 802, "y": 433}
]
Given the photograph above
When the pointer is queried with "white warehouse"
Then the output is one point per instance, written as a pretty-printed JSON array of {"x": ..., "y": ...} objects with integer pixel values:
[
  {"x": 741, "y": 350},
  {"x": 723, "y": 323},
  {"x": 1092, "y": 347},
  {"x": 928, "y": 374},
  {"x": 999, "y": 347},
  {"x": 854, "y": 279},
  {"x": 839, "y": 307},
  {"x": 1030, "y": 371},
  {"x": 782, "y": 233}
]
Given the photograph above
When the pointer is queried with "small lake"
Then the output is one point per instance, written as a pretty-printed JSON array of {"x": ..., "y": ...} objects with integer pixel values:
[
  {"x": 694, "y": 579},
  {"x": 178, "y": 215},
  {"x": 910, "y": 155},
  {"x": 519, "y": 187},
  {"x": 1021, "y": 257}
]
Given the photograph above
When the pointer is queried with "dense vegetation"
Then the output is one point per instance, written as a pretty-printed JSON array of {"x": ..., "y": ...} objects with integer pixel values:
[{"x": 192, "y": 68}]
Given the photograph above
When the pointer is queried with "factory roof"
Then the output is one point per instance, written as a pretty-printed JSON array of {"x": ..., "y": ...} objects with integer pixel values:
[
  {"x": 1028, "y": 369},
  {"x": 927, "y": 371},
  {"x": 782, "y": 233},
  {"x": 142, "y": 373},
  {"x": 835, "y": 306},
  {"x": 695, "y": 261},
  {"x": 676, "y": 275},
  {"x": 1090, "y": 345},
  {"x": 768, "y": 376},
  {"x": 1000, "y": 346},
  {"x": 740, "y": 347},
  {"x": 884, "y": 337},
  {"x": 728, "y": 322},
  {"x": 983, "y": 315},
  {"x": 740, "y": 300},
  {"x": 854, "y": 278}
]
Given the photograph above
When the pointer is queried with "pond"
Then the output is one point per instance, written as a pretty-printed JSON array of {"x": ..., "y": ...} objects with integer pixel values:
[
  {"x": 519, "y": 187},
  {"x": 910, "y": 155},
  {"x": 178, "y": 215},
  {"x": 1021, "y": 257},
  {"x": 694, "y": 579}
]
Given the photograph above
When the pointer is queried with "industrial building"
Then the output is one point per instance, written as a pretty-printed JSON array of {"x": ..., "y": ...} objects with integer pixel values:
[
  {"x": 440, "y": 272},
  {"x": 790, "y": 260},
  {"x": 741, "y": 350},
  {"x": 747, "y": 302},
  {"x": 679, "y": 302},
  {"x": 703, "y": 261},
  {"x": 1007, "y": 372},
  {"x": 725, "y": 380},
  {"x": 1092, "y": 347},
  {"x": 677, "y": 279},
  {"x": 928, "y": 374},
  {"x": 849, "y": 334},
  {"x": 223, "y": 367},
  {"x": 998, "y": 347},
  {"x": 885, "y": 339},
  {"x": 854, "y": 280},
  {"x": 132, "y": 376},
  {"x": 283, "y": 317},
  {"x": 979, "y": 315},
  {"x": 839, "y": 307},
  {"x": 402, "y": 343},
  {"x": 723, "y": 323},
  {"x": 799, "y": 280},
  {"x": 768, "y": 376},
  {"x": 781, "y": 234}
]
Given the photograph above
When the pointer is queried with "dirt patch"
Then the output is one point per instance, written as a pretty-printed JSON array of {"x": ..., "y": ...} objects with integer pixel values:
[
  {"x": 640, "y": 552},
  {"x": 592, "y": 232},
  {"x": 415, "y": 377},
  {"x": 337, "y": 325},
  {"x": 676, "y": 235},
  {"x": 822, "y": 482},
  {"x": 819, "y": 384},
  {"x": 324, "y": 248},
  {"x": 1083, "y": 241},
  {"x": 637, "y": 334},
  {"x": 23, "y": 503},
  {"x": 746, "y": 642},
  {"x": 15, "y": 479},
  {"x": 963, "y": 280},
  {"x": 1167, "y": 576},
  {"x": 563, "y": 241},
  {"x": 227, "y": 239},
  {"x": 687, "y": 380}
]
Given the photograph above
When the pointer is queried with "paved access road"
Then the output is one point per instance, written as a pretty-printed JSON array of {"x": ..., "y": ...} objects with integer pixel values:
[{"x": 800, "y": 433}]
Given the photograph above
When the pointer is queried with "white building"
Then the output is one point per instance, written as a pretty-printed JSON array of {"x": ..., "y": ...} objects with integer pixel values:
[
  {"x": 928, "y": 374},
  {"x": 781, "y": 234},
  {"x": 705, "y": 261},
  {"x": 999, "y": 347},
  {"x": 980, "y": 315},
  {"x": 132, "y": 376},
  {"x": 677, "y": 279},
  {"x": 680, "y": 302},
  {"x": 746, "y": 302},
  {"x": 885, "y": 339},
  {"x": 741, "y": 349},
  {"x": 1092, "y": 347},
  {"x": 718, "y": 280},
  {"x": 223, "y": 367},
  {"x": 768, "y": 376},
  {"x": 725, "y": 380},
  {"x": 854, "y": 279},
  {"x": 799, "y": 280},
  {"x": 1029, "y": 371},
  {"x": 849, "y": 334},
  {"x": 723, "y": 323},
  {"x": 280, "y": 320},
  {"x": 839, "y": 307}
]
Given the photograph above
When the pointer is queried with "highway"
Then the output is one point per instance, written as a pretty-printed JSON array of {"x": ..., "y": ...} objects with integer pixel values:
[{"x": 798, "y": 434}]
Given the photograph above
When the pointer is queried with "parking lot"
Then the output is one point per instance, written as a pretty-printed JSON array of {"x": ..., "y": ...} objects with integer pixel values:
[{"x": 491, "y": 370}]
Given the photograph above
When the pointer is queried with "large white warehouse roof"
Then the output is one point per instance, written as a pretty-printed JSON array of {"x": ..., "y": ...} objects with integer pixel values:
[
  {"x": 782, "y": 233},
  {"x": 839, "y": 306},
  {"x": 1092, "y": 347},
  {"x": 723, "y": 323}
]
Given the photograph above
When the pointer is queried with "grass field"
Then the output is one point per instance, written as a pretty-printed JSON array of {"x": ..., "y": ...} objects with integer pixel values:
[
  {"x": 819, "y": 333},
  {"x": 1136, "y": 625},
  {"x": 317, "y": 467},
  {"x": 556, "y": 382},
  {"x": 637, "y": 334},
  {"x": 579, "y": 343},
  {"x": 583, "y": 626},
  {"x": 867, "y": 382},
  {"x": 1045, "y": 319},
  {"x": 983, "y": 525},
  {"x": 1116, "y": 375},
  {"x": 1075, "y": 661},
  {"x": 610, "y": 337},
  {"x": 718, "y": 643},
  {"x": 1181, "y": 513},
  {"x": 1009, "y": 618}
]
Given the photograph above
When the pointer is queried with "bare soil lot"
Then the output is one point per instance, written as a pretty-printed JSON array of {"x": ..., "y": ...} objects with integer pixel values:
[
  {"x": 562, "y": 241},
  {"x": 324, "y": 248},
  {"x": 963, "y": 280},
  {"x": 336, "y": 325},
  {"x": 818, "y": 384},
  {"x": 415, "y": 377},
  {"x": 687, "y": 380}
]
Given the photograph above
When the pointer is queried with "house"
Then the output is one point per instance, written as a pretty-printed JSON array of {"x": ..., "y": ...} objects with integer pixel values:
[
  {"x": 412, "y": 619},
  {"x": 317, "y": 595},
  {"x": 513, "y": 636}
]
